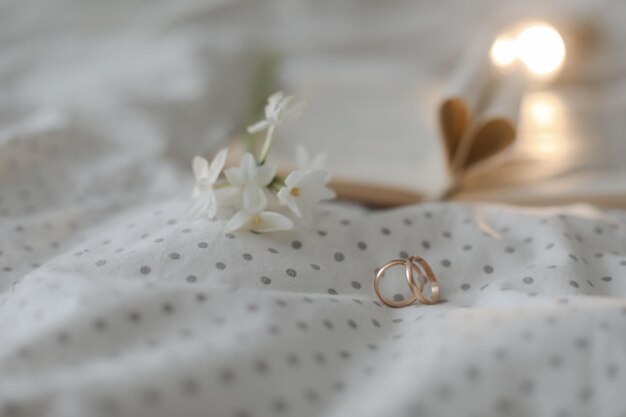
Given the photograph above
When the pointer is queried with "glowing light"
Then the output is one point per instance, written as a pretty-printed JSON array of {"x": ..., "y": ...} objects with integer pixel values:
[
  {"x": 544, "y": 110},
  {"x": 504, "y": 51},
  {"x": 541, "y": 48}
]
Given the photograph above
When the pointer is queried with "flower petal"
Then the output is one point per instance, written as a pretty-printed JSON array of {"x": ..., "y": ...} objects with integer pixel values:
[
  {"x": 240, "y": 220},
  {"x": 200, "y": 168},
  {"x": 264, "y": 175},
  {"x": 292, "y": 112},
  {"x": 217, "y": 165},
  {"x": 228, "y": 197},
  {"x": 234, "y": 176},
  {"x": 273, "y": 104},
  {"x": 248, "y": 167},
  {"x": 198, "y": 207},
  {"x": 285, "y": 197},
  {"x": 253, "y": 198},
  {"x": 272, "y": 222},
  {"x": 212, "y": 206},
  {"x": 258, "y": 127}
]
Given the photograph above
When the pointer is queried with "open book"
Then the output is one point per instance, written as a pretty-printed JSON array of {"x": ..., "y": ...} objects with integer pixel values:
[{"x": 395, "y": 137}]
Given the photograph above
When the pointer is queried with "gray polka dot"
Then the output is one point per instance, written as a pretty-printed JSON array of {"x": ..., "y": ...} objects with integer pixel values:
[
  {"x": 293, "y": 359},
  {"x": 190, "y": 386},
  {"x": 446, "y": 263},
  {"x": 425, "y": 244},
  {"x": 574, "y": 284},
  {"x": 134, "y": 316},
  {"x": 472, "y": 373},
  {"x": 362, "y": 245},
  {"x": 385, "y": 231},
  {"x": 528, "y": 280},
  {"x": 504, "y": 406},
  {"x": 191, "y": 278},
  {"x": 321, "y": 233},
  {"x": 315, "y": 266},
  {"x": 227, "y": 376},
  {"x": 101, "y": 262},
  {"x": 100, "y": 325},
  {"x": 296, "y": 244},
  {"x": 151, "y": 396},
  {"x": 581, "y": 343},
  {"x": 352, "y": 324},
  {"x": 272, "y": 250},
  {"x": 573, "y": 257},
  {"x": 332, "y": 291},
  {"x": 261, "y": 366},
  {"x": 398, "y": 297},
  {"x": 247, "y": 256},
  {"x": 465, "y": 287},
  {"x": 509, "y": 249},
  {"x": 174, "y": 255},
  {"x": 145, "y": 270},
  {"x": 291, "y": 272},
  {"x": 527, "y": 387},
  {"x": 467, "y": 247},
  {"x": 445, "y": 392},
  {"x": 279, "y": 406},
  {"x": 230, "y": 235},
  {"x": 488, "y": 269},
  {"x": 356, "y": 285},
  {"x": 612, "y": 370},
  {"x": 375, "y": 323},
  {"x": 266, "y": 280},
  {"x": 606, "y": 279},
  {"x": 345, "y": 222},
  {"x": 585, "y": 394},
  {"x": 339, "y": 257},
  {"x": 556, "y": 361},
  {"x": 220, "y": 265}
]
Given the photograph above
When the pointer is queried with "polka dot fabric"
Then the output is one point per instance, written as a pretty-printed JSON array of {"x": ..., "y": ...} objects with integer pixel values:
[
  {"x": 150, "y": 314},
  {"x": 114, "y": 304}
]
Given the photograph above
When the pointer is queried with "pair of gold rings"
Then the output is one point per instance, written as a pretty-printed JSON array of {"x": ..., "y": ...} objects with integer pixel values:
[{"x": 425, "y": 275}]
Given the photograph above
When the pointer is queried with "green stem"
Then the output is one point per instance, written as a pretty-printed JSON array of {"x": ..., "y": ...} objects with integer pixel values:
[
  {"x": 276, "y": 184},
  {"x": 266, "y": 145}
]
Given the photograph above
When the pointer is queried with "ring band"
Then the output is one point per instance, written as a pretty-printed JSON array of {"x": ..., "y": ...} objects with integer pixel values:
[
  {"x": 423, "y": 269},
  {"x": 412, "y": 265},
  {"x": 409, "y": 279}
]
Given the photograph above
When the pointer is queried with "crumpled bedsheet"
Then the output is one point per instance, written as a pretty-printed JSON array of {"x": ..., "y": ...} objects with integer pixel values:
[{"x": 113, "y": 303}]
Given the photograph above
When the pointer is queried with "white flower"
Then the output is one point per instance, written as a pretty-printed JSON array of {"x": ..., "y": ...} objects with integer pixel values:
[
  {"x": 205, "y": 199},
  {"x": 248, "y": 181},
  {"x": 254, "y": 216},
  {"x": 302, "y": 190},
  {"x": 306, "y": 163},
  {"x": 279, "y": 109},
  {"x": 261, "y": 222}
]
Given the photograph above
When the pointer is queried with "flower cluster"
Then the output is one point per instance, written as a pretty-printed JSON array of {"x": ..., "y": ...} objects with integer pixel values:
[{"x": 251, "y": 194}]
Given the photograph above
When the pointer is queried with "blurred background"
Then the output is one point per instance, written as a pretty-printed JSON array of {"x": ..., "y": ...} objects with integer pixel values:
[{"x": 172, "y": 79}]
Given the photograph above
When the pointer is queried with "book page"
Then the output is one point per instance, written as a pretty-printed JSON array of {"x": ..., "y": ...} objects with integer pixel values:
[
  {"x": 570, "y": 148},
  {"x": 376, "y": 123}
]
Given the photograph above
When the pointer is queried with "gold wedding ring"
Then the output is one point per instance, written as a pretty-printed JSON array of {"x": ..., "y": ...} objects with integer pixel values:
[{"x": 425, "y": 275}]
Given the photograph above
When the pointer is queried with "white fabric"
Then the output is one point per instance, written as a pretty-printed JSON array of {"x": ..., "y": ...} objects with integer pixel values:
[{"x": 112, "y": 303}]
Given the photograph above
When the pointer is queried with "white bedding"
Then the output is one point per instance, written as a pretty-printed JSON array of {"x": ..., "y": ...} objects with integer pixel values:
[{"x": 112, "y": 303}]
